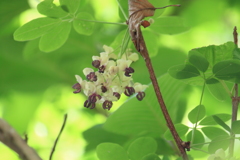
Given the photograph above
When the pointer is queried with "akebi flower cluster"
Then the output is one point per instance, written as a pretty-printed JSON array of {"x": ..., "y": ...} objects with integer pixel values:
[{"x": 111, "y": 77}]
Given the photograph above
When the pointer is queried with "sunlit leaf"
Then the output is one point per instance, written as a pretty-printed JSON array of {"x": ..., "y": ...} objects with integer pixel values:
[
  {"x": 151, "y": 42},
  {"x": 151, "y": 156},
  {"x": 236, "y": 127},
  {"x": 110, "y": 151},
  {"x": 197, "y": 139},
  {"x": 213, "y": 132},
  {"x": 215, "y": 54},
  {"x": 196, "y": 114},
  {"x": 169, "y": 25},
  {"x": 142, "y": 147},
  {"x": 97, "y": 134},
  {"x": 217, "y": 89},
  {"x": 71, "y": 5},
  {"x": 35, "y": 28},
  {"x": 219, "y": 142},
  {"x": 209, "y": 120},
  {"x": 236, "y": 53},
  {"x": 55, "y": 38},
  {"x": 82, "y": 26},
  {"x": 221, "y": 123},
  {"x": 49, "y": 9},
  {"x": 183, "y": 71},
  {"x": 181, "y": 130},
  {"x": 198, "y": 60},
  {"x": 228, "y": 70}
]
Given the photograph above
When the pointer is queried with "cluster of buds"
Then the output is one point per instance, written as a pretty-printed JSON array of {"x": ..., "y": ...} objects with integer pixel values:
[{"x": 113, "y": 76}]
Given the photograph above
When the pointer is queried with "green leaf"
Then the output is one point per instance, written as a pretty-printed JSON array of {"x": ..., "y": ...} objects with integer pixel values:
[
  {"x": 217, "y": 89},
  {"x": 82, "y": 26},
  {"x": 198, "y": 60},
  {"x": 142, "y": 147},
  {"x": 236, "y": 127},
  {"x": 183, "y": 71},
  {"x": 215, "y": 54},
  {"x": 181, "y": 129},
  {"x": 219, "y": 142},
  {"x": 222, "y": 123},
  {"x": 236, "y": 53},
  {"x": 151, "y": 42},
  {"x": 169, "y": 25},
  {"x": 213, "y": 132},
  {"x": 71, "y": 5},
  {"x": 49, "y": 9},
  {"x": 145, "y": 117},
  {"x": 197, "y": 140},
  {"x": 196, "y": 114},
  {"x": 151, "y": 156},
  {"x": 110, "y": 151},
  {"x": 97, "y": 134},
  {"x": 228, "y": 70},
  {"x": 55, "y": 38},
  {"x": 35, "y": 28},
  {"x": 209, "y": 120}
]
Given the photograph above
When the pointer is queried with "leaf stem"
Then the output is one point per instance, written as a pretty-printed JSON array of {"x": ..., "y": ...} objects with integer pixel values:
[
  {"x": 101, "y": 21},
  {"x": 124, "y": 14},
  {"x": 235, "y": 101}
]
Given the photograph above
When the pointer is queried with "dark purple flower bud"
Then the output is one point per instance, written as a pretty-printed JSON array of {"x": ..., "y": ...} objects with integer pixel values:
[
  {"x": 129, "y": 91},
  {"x": 116, "y": 94},
  {"x": 93, "y": 98},
  {"x": 128, "y": 71},
  {"x": 93, "y": 106},
  {"x": 77, "y": 86},
  {"x": 101, "y": 69},
  {"x": 96, "y": 63},
  {"x": 104, "y": 89},
  {"x": 92, "y": 76},
  {"x": 87, "y": 104},
  {"x": 107, "y": 105},
  {"x": 140, "y": 95}
]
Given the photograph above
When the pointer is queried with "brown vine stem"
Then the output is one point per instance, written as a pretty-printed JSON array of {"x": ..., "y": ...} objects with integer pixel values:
[
  {"x": 180, "y": 144},
  {"x": 59, "y": 134},
  {"x": 235, "y": 101}
]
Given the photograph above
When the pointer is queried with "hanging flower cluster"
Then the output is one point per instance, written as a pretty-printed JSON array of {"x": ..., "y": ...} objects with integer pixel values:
[{"x": 112, "y": 78}]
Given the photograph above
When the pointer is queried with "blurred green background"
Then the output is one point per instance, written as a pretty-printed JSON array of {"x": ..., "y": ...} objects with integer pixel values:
[{"x": 35, "y": 87}]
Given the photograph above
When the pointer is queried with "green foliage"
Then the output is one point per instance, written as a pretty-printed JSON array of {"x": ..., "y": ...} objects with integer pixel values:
[
  {"x": 197, "y": 114},
  {"x": 181, "y": 129},
  {"x": 109, "y": 151},
  {"x": 142, "y": 147},
  {"x": 31, "y": 80}
]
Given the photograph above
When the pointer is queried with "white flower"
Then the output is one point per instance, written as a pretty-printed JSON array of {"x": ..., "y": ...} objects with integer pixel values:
[
  {"x": 86, "y": 71},
  {"x": 123, "y": 64},
  {"x": 89, "y": 88},
  {"x": 133, "y": 57},
  {"x": 139, "y": 87}
]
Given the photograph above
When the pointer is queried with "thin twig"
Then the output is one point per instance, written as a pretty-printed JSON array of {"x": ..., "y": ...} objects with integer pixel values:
[
  {"x": 59, "y": 134},
  {"x": 235, "y": 101},
  {"x": 144, "y": 53},
  {"x": 10, "y": 138}
]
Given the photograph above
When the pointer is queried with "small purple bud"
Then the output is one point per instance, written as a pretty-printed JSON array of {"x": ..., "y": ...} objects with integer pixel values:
[
  {"x": 91, "y": 76},
  {"x": 107, "y": 105},
  {"x": 104, "y": 89},
  {"x": 128, "y": 71},
  {"x": 101, "y": 69},
  {"x": 140, "y": 95},
  {"x": 129, "y": 91},
  {"x": 77, "y": 86},
  {"x": 87, "y": 104},
  {"x": 116, "y": 94},
  {"x": 96, "y": 63}
]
